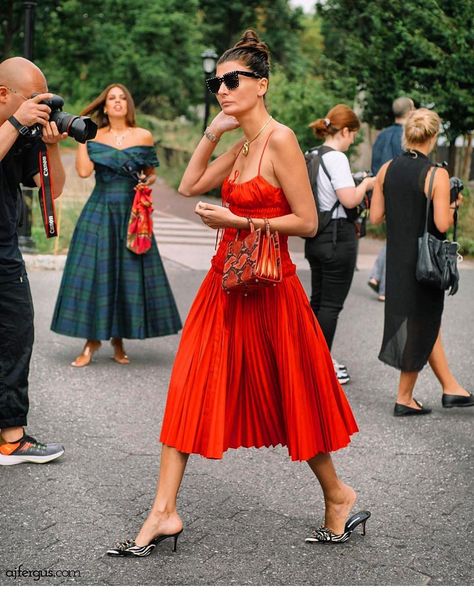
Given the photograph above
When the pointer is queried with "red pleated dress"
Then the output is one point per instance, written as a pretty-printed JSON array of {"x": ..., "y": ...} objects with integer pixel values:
[{"x": 254, "y": 370}]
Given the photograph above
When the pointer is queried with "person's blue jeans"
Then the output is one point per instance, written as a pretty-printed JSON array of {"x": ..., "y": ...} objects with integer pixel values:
[{"x": 378, "y": 270}]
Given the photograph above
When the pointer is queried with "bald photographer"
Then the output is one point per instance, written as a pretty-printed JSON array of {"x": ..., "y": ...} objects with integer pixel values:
[{"x": 25, "y": 134}]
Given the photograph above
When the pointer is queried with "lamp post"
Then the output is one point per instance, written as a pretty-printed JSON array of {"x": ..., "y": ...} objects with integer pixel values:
[
  {"x": 24, "y": 231},
  {"x": 209, "y": 59},
  {"x": 29, "y": 28}
]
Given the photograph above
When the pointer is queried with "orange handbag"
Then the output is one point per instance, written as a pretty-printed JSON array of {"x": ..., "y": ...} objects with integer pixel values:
[{"x": 253, "y": 261}]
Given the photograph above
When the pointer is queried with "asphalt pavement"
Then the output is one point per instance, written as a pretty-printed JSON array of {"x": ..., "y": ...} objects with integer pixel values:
[{"x": 246, "y": 516}]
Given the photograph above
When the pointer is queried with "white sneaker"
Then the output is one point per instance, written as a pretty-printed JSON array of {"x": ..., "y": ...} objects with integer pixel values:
[{"x": 341, "y": 372}]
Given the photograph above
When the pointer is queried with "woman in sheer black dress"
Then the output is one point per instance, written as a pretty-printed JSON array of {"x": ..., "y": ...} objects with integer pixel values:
[{"x": 413, "y": 310}]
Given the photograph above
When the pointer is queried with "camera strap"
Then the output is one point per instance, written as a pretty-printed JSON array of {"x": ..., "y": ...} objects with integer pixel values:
[{"x": 46, "y": 195}]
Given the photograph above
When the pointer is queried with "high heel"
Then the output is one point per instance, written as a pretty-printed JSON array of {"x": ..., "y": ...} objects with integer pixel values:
[
  {"x": 85, "y": 358},
  {"x": 119, "y": 354},
  {"x": 129, "y": 549},
  {"x": 325, "y": 535}
]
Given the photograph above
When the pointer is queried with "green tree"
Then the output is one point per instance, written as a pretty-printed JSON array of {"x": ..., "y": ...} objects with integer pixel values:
[
  {"x": 298, "y": 103},
  {"x": 421, "y": 49},
  {"x": 83, "y": 45},
  {"x": 275, "y": 20}
]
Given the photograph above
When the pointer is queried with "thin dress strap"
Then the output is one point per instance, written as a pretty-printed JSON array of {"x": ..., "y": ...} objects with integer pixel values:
[{"x": 261, "y": 156}]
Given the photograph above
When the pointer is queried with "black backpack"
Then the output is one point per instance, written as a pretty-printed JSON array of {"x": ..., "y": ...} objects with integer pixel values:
[{"x": 313, "y": 161}]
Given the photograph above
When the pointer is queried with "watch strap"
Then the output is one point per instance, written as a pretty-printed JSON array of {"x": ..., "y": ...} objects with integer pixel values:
[{"x": 20, "y": 128}]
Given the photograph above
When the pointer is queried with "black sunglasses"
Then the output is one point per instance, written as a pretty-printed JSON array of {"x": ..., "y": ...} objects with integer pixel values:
[{"x": 231, "y": 80}]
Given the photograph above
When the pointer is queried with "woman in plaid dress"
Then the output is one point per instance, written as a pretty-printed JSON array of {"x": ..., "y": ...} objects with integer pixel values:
[{"x": 107, "y": 291}]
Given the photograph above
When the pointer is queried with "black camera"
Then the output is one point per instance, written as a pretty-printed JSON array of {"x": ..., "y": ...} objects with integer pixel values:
[
  {"x": 358, "y": 178},
  {"x": 78, "y": 127},
  {"x": 455, "y": 188}
]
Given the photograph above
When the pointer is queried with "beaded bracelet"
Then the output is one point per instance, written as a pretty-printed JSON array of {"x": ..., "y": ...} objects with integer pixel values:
[{"x": 210, "y": 136}]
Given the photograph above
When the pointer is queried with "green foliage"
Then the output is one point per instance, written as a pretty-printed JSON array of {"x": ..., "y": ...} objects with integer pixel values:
[
  {"x": 298, "y": 103},
  {"x": 67, "y": 212},
  {"x": 277, "y": 23},
  {"x": 404, "y": 47}
]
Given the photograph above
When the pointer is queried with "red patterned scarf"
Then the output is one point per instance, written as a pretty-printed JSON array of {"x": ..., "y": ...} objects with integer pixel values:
[{"x": 140, "y": 225}]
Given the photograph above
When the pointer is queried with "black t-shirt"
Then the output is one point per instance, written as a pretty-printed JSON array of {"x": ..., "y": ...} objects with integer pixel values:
[{"x": 19, "y": 165}]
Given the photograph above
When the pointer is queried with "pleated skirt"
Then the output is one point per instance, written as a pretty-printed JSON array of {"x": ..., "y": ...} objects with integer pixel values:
[
  {"x": 106, "y": 290},
  {"x": 254, "y": 371}
]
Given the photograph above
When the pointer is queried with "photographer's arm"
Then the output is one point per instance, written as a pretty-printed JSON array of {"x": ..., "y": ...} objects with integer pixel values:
[
  {"x": 350, "y": 197},
  {"x": 8, "y": 136},
  {"x": 51, "y": 137},
  {"x": 84, "y": 165},
  {"x": 29, "y": 113}
]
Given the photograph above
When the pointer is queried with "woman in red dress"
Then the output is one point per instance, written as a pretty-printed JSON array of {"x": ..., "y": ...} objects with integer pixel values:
[{"x": 251, "y": 370}]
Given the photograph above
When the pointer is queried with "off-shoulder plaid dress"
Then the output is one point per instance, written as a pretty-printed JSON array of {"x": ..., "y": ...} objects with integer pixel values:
[{"x": 106, "y": 290}]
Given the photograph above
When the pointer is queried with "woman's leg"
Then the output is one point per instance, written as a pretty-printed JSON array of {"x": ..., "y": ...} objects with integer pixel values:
[
  {"x": 163, "y": 517},
  {"x": 85, "y": 357},
  {"x": 338, "y": 497},
  {"x": 439, "y": 365},
  {"x": 119, "y": 353},
  {"x": 405, "y": 389}
]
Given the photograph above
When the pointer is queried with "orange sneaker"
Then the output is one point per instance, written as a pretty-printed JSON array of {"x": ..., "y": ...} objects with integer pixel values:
[{"x": 28, "y": 449}]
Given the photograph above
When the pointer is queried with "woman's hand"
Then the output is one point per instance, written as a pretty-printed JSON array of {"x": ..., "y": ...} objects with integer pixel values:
[
  {"x": 369, "y": 183},
  {"x": 459, "y": 200},
  {"x": 147, "y": 180},
  {"x": 223, "y": 123},
  {"x": 216, "y": 216}
]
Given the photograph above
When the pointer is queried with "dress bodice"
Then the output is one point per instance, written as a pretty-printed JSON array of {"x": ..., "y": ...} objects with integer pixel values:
[
  {"x": 256, "y": 198},
  {"x": 112, "y": 164}
]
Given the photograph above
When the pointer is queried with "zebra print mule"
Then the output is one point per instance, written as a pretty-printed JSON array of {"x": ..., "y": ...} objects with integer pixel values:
[
  {"x": 325, "y": 535},
  {"x": 129, "y": 549}
]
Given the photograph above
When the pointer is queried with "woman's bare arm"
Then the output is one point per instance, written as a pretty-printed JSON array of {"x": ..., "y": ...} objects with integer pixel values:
[
  {"x": 377, "y": 205},
  {"x": 84, "y": 165}
]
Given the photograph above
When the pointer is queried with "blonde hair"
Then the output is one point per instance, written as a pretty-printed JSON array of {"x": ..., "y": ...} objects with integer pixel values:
[{"x": 421, "y": 125}]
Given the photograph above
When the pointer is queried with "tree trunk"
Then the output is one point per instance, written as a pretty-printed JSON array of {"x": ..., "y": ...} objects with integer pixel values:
[
  {"x": 467, "y": 157},
  {"x": 10, "y": 26},
  {"x": 452, "y": 157}
]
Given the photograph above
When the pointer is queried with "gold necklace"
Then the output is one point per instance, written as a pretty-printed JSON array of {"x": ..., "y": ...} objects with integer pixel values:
[{"x": 245, "y": 147}]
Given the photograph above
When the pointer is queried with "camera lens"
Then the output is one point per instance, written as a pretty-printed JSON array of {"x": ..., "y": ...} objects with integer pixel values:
[{"x": 79, "y": 128}]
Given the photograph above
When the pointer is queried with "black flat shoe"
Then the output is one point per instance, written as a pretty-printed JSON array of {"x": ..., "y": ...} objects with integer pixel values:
[
  {"x": 457, "y": 400},
  {"x": 374, "y": 284},
  {"x": 325, "y": 535},
  {"x": 130, "y": 549},
  {"x": 401, "y": 410}
]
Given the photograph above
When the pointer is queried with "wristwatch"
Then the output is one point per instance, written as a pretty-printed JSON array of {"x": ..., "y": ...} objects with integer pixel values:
[{"x": 20, "y": 128}]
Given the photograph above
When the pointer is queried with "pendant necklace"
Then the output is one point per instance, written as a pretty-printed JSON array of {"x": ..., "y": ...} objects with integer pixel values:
[
  {"x": 245, "y": 147},
  {"x": 119, "y": 138}
]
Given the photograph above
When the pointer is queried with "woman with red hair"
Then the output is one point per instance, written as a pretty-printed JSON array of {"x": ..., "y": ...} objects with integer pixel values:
[{"x": 332, "y": 253}]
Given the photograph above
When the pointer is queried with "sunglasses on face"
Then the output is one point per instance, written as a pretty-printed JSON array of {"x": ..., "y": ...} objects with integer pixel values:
[{"x": 231, "y": 80}]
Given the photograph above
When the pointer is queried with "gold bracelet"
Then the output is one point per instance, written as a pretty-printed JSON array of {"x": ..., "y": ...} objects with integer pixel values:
[{"x": 210, "y": 136}]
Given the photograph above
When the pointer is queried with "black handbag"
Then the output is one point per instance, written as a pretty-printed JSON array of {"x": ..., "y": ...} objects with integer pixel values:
[{"x": 437, "y": 263}]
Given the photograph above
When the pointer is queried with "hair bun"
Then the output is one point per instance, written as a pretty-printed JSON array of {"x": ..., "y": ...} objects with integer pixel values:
[
  {"x": 319, "y": 127},
  {"x": 250, "y": 40}
]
